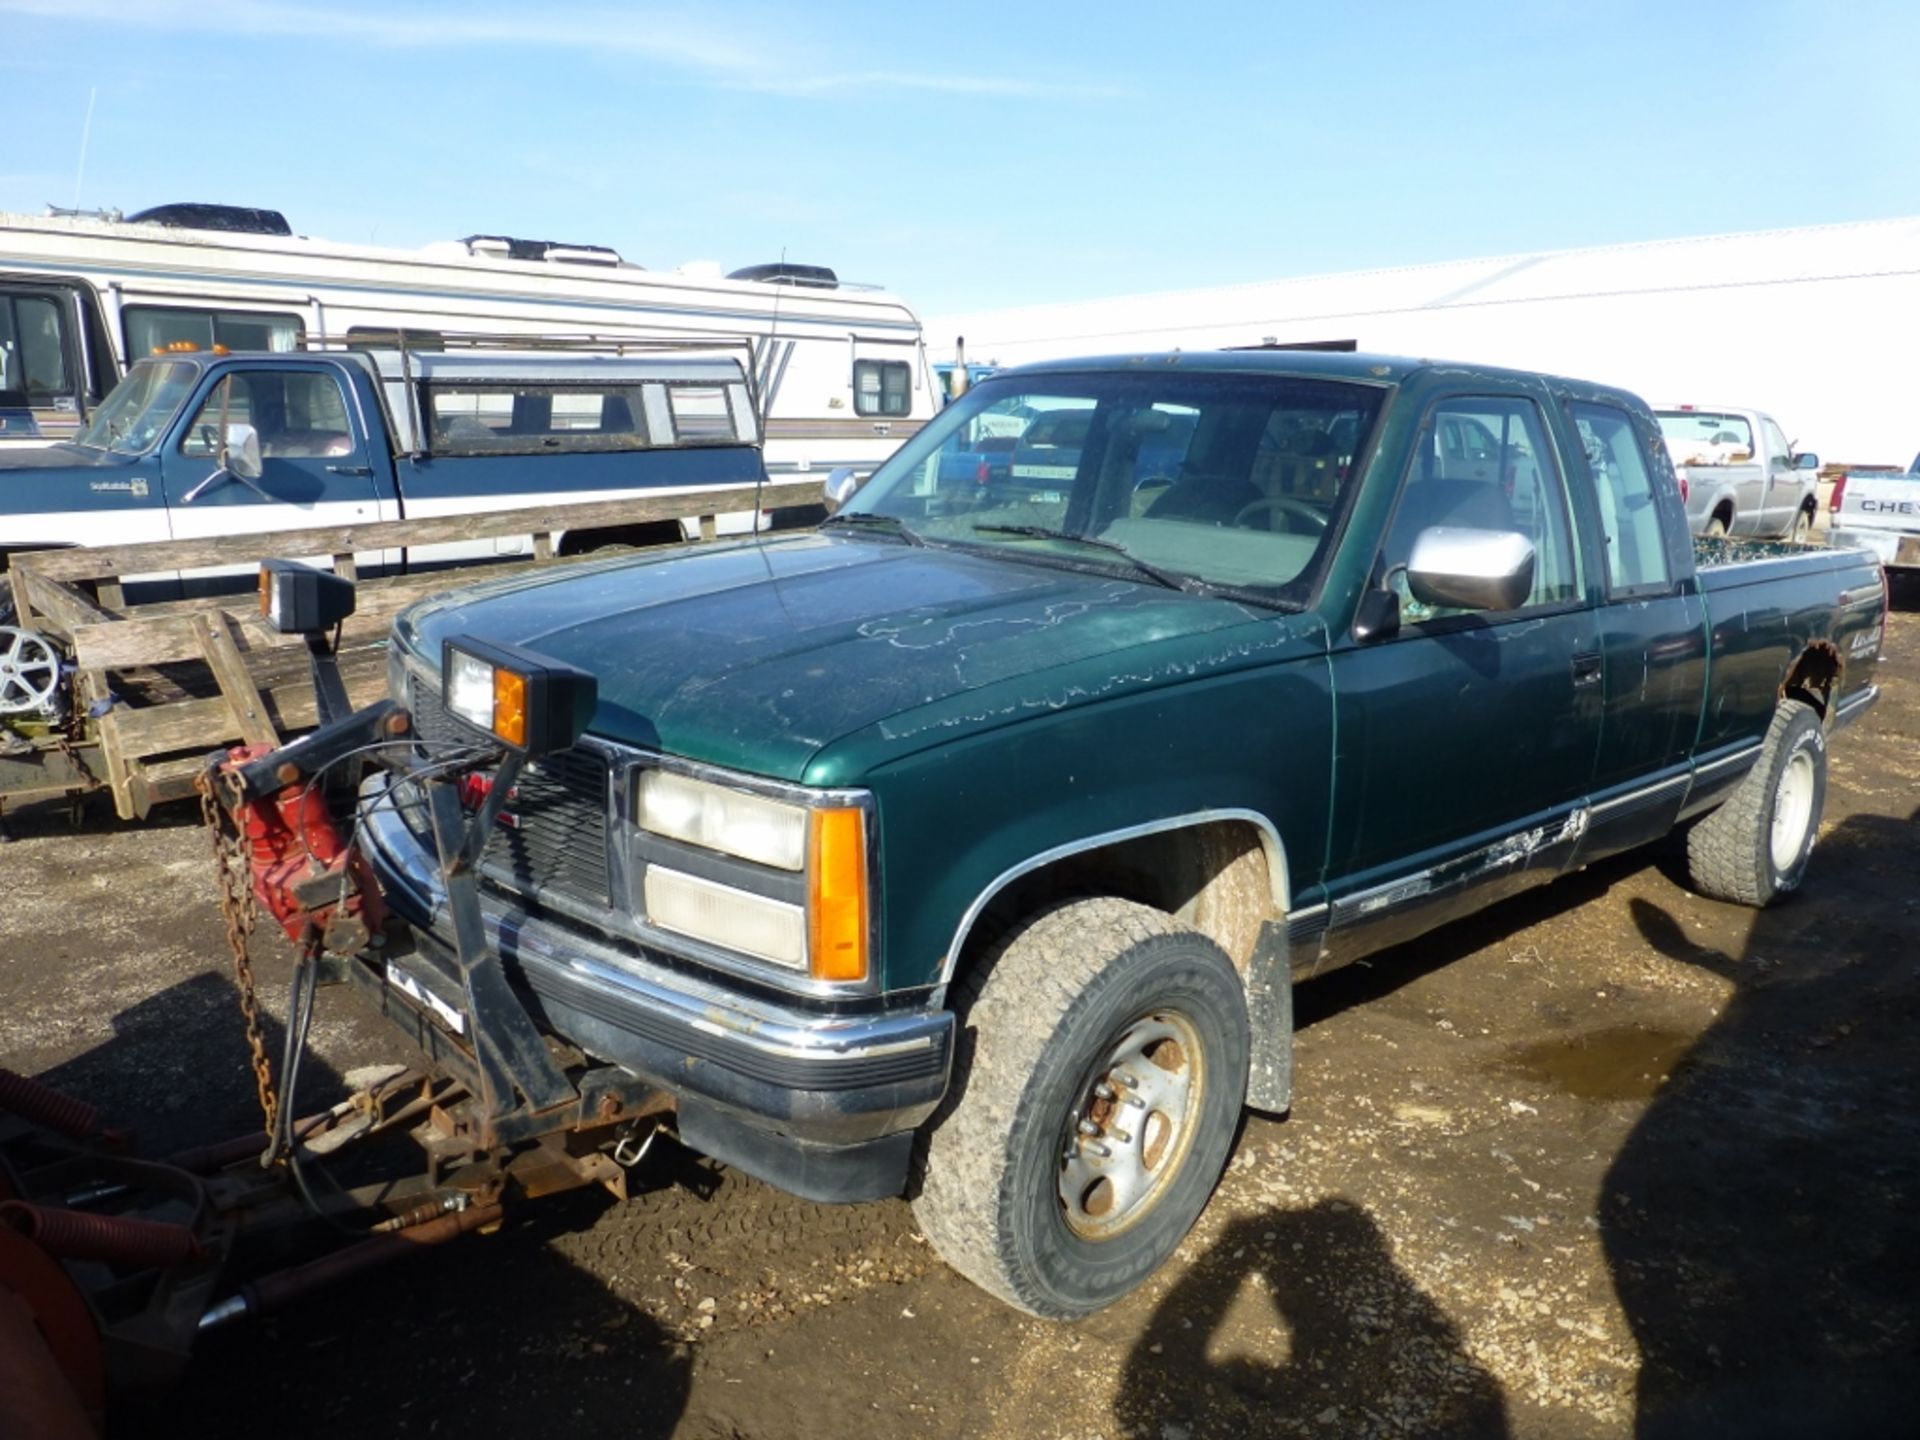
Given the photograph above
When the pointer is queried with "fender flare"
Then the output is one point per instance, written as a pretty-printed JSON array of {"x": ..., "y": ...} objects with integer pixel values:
[{"x": 1268, "y": 975}]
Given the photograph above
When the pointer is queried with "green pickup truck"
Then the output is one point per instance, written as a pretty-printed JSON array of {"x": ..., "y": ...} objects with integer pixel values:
[{"x": 970, "y": 846}]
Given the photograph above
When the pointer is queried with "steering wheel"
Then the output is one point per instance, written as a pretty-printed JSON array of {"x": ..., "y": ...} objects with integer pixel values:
[{"x": 1315, "y": 520}]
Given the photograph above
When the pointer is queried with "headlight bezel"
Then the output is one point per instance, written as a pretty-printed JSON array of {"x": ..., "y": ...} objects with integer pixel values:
[{"x": 646, "y": 847}]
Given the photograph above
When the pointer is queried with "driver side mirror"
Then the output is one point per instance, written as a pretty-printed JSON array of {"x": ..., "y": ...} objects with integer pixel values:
[
  {"x": 839, "y": 486},
  {"x": 240, "y": 451},
  {"x": 1806, "y": 462},
  {"x": 1470, "y": 569}
]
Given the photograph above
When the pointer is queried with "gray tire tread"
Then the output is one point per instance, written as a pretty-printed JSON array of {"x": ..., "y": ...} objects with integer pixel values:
[
  {"x": 1013, "y": 1003},
  {"x": 1721, "y": 847}
]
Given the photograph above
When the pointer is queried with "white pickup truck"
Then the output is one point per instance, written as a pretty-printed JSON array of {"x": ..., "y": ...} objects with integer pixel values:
[
  {"x": 1738, "y": 472},
  {"x": 1880, "y": 511}
]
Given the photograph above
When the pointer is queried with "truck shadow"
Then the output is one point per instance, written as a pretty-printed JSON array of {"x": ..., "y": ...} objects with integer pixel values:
[
  {"x": 1326, "y": 1335},
  {"x": 1759, "y": 1220}
]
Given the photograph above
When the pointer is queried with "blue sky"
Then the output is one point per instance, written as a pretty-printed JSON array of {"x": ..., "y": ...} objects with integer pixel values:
[{"x": 972, "y": 155}]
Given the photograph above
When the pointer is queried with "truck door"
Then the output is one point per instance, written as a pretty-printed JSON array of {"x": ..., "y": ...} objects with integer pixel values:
[
  {"x": 1785, "y": 485},
  {"x": 1466, "y": 739},
  {"x": 313, "y": 455},
  {"x": 1652, "y": 636}
]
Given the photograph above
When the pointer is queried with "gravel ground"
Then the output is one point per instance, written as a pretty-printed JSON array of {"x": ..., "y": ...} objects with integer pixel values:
[{"x": 1608, "y": 1159}]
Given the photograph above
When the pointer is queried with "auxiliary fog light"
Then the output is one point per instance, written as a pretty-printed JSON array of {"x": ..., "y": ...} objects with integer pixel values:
[
  {"x": 518, "y": 697},
  {"x": 297, "y": 599}
]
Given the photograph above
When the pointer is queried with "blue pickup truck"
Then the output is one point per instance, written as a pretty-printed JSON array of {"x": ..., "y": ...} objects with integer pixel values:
[{"x": 198, "y": 444}]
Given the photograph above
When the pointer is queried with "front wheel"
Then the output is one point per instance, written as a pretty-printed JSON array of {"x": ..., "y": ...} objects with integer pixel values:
[
  {"x": 1755, "y": 847},
  {"x": 1102, "y": 1070},
  {"x": 1802, "y": 527}
]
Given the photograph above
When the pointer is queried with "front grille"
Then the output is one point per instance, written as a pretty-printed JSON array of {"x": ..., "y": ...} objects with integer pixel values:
[{"x": 552, "y": 835}]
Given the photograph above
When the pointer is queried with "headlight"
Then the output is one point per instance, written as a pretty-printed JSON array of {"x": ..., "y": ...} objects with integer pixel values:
[
  {"x": 825, "y": 938},
  {"x": 523, "y": 700},
  {"x": 718, "y": 818},
  {"x": 722, "y": 915}
]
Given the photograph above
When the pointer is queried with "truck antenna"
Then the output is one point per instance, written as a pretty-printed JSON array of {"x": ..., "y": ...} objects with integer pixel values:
[{"x": 86, "y": 131}]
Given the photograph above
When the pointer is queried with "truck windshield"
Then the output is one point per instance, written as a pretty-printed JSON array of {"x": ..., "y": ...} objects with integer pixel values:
[
  {"x": 1223, "y": 482},
  {"x": 137, "y": 413}
]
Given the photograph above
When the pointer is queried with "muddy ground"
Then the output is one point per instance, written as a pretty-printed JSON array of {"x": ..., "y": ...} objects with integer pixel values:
[{"x": 1609, "y": 1159}]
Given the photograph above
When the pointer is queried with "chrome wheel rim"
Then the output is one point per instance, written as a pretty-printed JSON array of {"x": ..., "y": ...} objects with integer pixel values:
[
  {"x": 1132, "y": 1125},
  {"x": 1792, "y": 810},
  {"x": 29, "y": 671}
]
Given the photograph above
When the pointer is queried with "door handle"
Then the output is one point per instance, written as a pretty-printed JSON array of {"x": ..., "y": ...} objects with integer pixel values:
[
  {"x": 349, "y": 469},
  {"x": 1587, "y": 668}
]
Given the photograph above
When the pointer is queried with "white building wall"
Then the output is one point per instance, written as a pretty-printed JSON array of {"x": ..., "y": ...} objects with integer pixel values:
[{"x": 1820, "y": 326}]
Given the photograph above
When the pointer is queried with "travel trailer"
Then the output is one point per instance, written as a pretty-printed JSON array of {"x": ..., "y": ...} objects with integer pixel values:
[{"x": 840, "y": 370}]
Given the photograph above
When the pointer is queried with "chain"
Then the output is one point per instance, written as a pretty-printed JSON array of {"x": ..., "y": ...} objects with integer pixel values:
[{"x": 234, "y": 877}]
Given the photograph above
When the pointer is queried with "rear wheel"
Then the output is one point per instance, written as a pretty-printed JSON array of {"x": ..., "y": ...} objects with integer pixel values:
[
  {"x": 1716, "y": 528},
  {"x": 1755, "y": 847},
  {"x": 1103, "y": 1067}
]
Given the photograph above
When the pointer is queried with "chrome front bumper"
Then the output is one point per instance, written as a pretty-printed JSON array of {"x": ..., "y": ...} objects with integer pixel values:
[{"x": 795, "y": 1095}]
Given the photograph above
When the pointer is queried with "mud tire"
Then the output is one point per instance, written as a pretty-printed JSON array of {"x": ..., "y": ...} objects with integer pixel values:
[
  {"x": 1037, "y": 1017},
  {"x": 1731, "y": 853}
]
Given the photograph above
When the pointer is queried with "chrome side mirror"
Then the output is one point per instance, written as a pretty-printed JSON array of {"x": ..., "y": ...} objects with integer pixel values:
[
  {"x": 839, "y": 486},
  {"x": 241, "y": 451},
  {"x": 1469, "y": 569}
]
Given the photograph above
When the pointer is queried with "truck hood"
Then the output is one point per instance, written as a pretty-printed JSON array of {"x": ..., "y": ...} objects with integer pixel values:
[{"x": 758, "y": 657}]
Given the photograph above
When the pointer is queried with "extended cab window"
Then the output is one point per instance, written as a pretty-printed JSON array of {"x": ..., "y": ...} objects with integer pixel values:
[
  {"x": 1485, "y": 463},
  {"x": 1629, "y": 513},
  {"x": 882, "y": 387},
  {"x": 297, "y": 415},
  {"x": 152, "y": 328},
  {"x": 503, "y": 419}
]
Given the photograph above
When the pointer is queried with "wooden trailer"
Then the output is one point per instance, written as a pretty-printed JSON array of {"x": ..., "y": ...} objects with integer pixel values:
[{"x": 156, "y": 687}]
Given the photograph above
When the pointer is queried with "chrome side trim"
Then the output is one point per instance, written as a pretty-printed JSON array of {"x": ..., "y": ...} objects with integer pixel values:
[
  {"x": 1512, "y": 849},
  {"x": 1643, "y": 795},
  {"x": 1853, "y": 706},
  {"x": 1714, "y": 769},
  {"x": 1269, "y": 842}
]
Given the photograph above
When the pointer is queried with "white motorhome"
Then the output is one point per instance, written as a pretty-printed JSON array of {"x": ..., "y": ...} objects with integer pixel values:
[{"x": 840, "y": 370}]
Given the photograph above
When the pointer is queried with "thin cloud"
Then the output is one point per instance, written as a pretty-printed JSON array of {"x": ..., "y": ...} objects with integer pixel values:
[{"x": 668, "y": 39}]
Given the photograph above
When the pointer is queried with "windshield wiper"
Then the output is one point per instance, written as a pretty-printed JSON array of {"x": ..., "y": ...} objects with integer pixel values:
[
  {"x": 1153, "y": 572},
  {"x": 890, "y": 523}
]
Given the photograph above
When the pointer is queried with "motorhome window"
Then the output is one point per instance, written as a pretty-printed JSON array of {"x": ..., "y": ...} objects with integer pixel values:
[
  {"x": 33, "y": 355},
  {"x": 700, "y": 414},
  {"x": 151, "y": 328},
  {"x": 137, "y": 413},
  {"x": 478, "y": 419},
  {"x": 297, "y": 415},
  {"x": 882, "y": 387}
]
